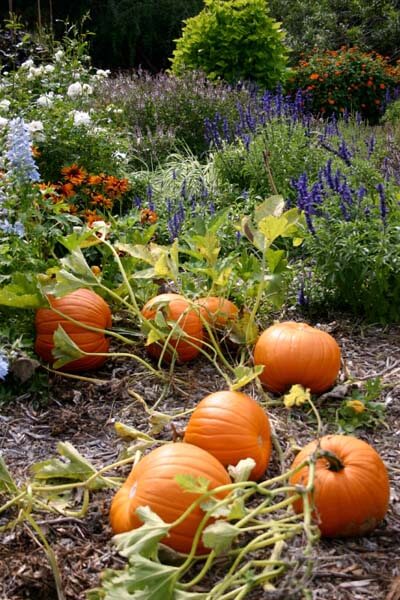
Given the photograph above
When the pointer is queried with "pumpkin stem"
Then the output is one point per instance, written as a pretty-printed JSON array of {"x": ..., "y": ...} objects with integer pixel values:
[{"x": 334, "y": 462}]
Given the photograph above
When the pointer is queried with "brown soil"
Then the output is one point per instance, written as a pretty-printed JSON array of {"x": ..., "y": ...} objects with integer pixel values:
[{"x": 84, "y": 413}]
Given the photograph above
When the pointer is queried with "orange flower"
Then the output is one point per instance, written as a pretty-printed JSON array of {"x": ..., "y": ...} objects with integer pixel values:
[
  {"x": 67, "y": 190},
  {"x": 74, "y": 174},
  {"x": 94, "y": 179},
  {"x": 101, "y": 201},
  {"x": 370, "y": 83},
  {"x": 148, "y": 216},
  {"x": 115, "y": 187},
  {"x": 314, "y": 76},
  {"x": 382, "y": 86},
  {"x": 91, "y": 217},
  {"x": 331, "y": 101},
  {"x": 36, "y": 152}
]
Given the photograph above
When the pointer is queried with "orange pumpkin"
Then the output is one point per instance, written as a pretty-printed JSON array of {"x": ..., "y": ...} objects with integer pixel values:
[
  {"x": 82, "y": 305},
  {"x": 176, "y": 309},
  {"x": 231, "y": 426},
  {"x": 218, "y": 311},
  {"x": 351, "y": 486},
  {"x": 297, "y": 353},
  {"x": 152, "y": 483}
]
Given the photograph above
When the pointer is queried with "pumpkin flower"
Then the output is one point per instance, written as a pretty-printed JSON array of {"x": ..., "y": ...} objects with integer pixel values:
[
  {"x": 356, "y": 405},
  {"x": 74, "y": 174},
  {"x": 296, "y": 396}
]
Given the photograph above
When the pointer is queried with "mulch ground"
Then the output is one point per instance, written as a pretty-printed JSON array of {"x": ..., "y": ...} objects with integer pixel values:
[{"x": 84, "y": 414}]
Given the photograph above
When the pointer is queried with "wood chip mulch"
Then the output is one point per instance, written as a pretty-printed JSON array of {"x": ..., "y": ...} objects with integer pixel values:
[{"x": 82, "y": 413}]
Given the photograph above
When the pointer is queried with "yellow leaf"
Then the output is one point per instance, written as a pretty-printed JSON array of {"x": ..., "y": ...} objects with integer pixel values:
[{"x": 296, "y": 396}]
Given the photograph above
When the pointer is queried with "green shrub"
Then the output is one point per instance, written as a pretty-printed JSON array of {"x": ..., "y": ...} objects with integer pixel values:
[
  {"x": 233, "y": 40},
  {"x": 336, "y": 80},
  {"x": 330, "y": 24}
]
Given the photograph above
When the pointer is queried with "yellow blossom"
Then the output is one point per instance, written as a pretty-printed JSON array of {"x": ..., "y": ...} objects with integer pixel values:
[
  {"x": 296, "y": 396},
  {"x": 356, "y": 405}
]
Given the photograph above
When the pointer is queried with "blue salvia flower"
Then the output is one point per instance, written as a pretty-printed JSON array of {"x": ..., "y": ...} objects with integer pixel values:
[
  {"x": 302, "y": 300},
  {"x": 183, "y": 191},
  {"x": 4, "y": 367},
  {"x": 361, "y": 193},
  {"x": 138, "y": 201},
  {"x": 211, "y": 208},
  {"x": 345, "y": 153},
  {"x": 225, "y": 130},
  {"x": 304, "y": 200},
  {"x": 21, "y": 164},
  {"x": 246, "y": 141},
  {"x": 382, "y": 202},
  {"x": 385, "y": 168},
  {"x": 370, "y": 143}
]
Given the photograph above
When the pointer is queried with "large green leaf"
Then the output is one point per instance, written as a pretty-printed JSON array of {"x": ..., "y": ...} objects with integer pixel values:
[
  {"x": 65, "y": 350},
  {"x": 23, "y": 292},
  {"x": 7, "y": 483},
  {"x": 73, "y": 467},
  {"x": 219, "y": 536},
  {"x": 143, "y": 540}
]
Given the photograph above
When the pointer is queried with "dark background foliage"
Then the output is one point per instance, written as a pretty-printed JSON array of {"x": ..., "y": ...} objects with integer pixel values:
[
  {"x": 132, "y": 33},
  {"x": 128, "y": 33}
]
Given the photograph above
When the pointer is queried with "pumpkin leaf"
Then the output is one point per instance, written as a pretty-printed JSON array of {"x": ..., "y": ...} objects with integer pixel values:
[
  {"x": 157, "y": 421},
  {"x": 23, "y": 292},
  {"x": 190, "y": 483},
  {"x": 244, "y": 375},
  {"x": 241, "y": 471},
  {"x": 219, "y": 536},
  {"x": 296, "y": 396},
  {"x": 65, "y": 350},
  {"x": 7, "y": 483},
  {"x": 143, "y": 540},
  {"x": 81, "y": 238},
  {"x": 272, "y": 228},
  {"x": 211, "y": 504},
  {"x": 73, "y": 467},
  {"x": 126, "y": 431},
  {"x": 141, "y": 580},
  {"x": 272, "y": 206}
]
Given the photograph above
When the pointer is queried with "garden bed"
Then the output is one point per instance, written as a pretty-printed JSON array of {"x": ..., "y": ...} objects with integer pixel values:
[{"x": 84, "y": 414}]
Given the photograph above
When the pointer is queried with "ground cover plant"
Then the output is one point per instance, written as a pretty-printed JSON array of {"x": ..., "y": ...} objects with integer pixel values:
[{"x": 139, "y": 288}]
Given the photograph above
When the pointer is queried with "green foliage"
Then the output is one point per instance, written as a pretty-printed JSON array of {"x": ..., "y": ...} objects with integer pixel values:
[
  {"x": 392, "y": 113},
  {"x": 347, "y": 78},
  {"x": 234, "y": 40},
  {"x": 329, "y": 24},
  {"x": 356, "y": 266}
]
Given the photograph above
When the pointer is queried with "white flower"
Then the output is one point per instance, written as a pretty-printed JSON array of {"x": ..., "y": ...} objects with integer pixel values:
[
  {"x": 5, "y": 105},
  {"x": 87, "y": 89},
  {"x": 74, "y": 90},
  {"x": 120, "y": 155},
  {"x": 58, "y": 55},
  {"x": 101, "y": 73},
  {"x": 35, "y": 126},
  {"x": 35, "y": 72},
  {"x": 81, "y": 118},
  {"x": 45, "y": 100},
  {"x": 49, "y": 68},
  {"x": 3, "y": 122},
  {"x": 27, "y": 64}
]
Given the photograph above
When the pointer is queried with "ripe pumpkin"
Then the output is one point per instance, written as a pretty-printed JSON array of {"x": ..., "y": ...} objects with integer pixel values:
[
  {"x": 218, "y": 311},
  {"x": 85, "y": 306},
  {"x": 297, "y": 353},
  {"x": 351, "y": 486},
  {"x": 231, "y": 426},
  {"x": 152, "y": 483},
  {"x": 176, "y": 308}
]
